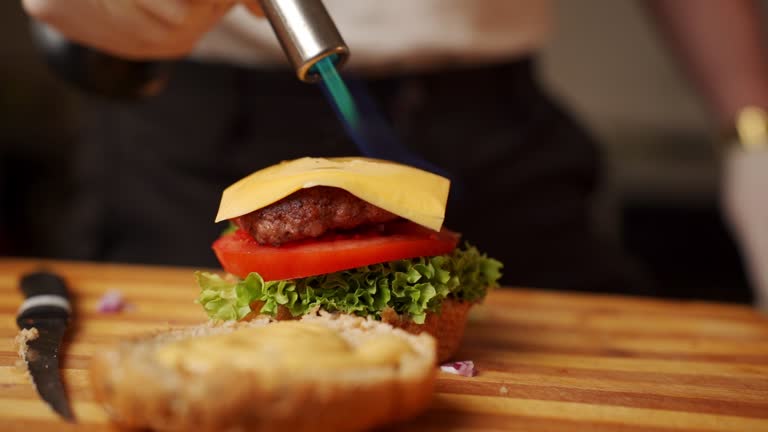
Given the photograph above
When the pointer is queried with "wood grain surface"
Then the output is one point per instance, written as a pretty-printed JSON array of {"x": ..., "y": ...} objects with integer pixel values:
[{"x": 547, "y": 361}]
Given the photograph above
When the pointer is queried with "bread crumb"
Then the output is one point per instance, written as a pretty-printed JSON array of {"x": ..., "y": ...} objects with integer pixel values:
[
  {"x": 24, "y": 336},
  {"x": 503, "y": 390}
]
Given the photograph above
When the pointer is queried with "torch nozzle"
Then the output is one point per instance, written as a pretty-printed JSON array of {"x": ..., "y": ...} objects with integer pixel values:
[{"x": 307, "y": 34}]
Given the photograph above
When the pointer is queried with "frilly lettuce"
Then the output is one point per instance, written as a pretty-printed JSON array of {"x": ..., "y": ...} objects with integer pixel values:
[{"x": 411, "y": 287}]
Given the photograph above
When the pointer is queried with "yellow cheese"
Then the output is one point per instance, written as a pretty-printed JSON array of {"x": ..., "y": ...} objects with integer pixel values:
[
  {"x": 286, "y": 345},
  {"x": 408, "y": 192}
]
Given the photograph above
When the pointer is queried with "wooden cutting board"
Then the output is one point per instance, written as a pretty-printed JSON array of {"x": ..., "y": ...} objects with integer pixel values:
[{"x": 547, "y": 361}]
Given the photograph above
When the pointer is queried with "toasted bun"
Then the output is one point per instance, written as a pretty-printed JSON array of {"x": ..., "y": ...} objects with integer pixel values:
[
  {"x": 139, "y": 392},
  {"x": 447, "y": 326}
]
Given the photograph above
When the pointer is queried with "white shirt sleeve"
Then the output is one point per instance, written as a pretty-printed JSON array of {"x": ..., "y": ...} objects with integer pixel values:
[{"x": 398, "y": 34}]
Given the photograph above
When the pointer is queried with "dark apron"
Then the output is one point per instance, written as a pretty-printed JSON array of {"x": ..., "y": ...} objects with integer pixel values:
[{"x": 150, "y": 174}]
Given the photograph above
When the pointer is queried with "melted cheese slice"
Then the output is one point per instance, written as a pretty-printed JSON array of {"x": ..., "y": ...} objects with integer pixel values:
[{"x": 408, "y": 192}]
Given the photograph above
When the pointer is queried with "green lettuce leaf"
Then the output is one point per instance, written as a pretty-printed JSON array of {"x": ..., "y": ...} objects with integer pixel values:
[
  {"x": 231, "y": 227},
  {"x": 411, "y": 287}
]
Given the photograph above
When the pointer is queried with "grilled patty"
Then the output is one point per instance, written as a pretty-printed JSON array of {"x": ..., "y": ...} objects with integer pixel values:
[{"x": 310, "y": 213}]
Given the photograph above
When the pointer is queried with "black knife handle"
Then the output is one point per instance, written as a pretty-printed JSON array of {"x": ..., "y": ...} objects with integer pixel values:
[{"x": 46, "y": 295}]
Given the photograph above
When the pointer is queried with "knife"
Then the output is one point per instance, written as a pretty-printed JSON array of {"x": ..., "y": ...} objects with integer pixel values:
[{"x": 48, "y": 310}]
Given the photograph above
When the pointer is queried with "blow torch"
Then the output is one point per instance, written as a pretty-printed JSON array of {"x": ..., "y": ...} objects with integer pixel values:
[{"x": 307, "y": 34}]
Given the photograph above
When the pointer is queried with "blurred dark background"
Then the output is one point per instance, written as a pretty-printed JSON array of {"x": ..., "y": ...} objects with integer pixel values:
[
  {"x": 37, "y": 130},
  {"x": 660, "y": 200}
]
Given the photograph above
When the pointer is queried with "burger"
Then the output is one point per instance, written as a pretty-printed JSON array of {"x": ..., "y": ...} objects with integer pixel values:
[{"x": 348, "y": 235}]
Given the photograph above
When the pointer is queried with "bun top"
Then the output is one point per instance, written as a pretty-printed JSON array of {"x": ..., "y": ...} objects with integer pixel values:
[
  {"x": 411, "y": 193},
  {"x": 292, "y": 346}
]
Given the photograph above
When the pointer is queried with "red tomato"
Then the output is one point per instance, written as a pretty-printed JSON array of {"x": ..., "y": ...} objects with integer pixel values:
[{"x": 240, "y": 254}]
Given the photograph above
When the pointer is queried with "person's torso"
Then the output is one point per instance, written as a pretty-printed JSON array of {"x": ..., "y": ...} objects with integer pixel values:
[{"x": 390, "y": 35}]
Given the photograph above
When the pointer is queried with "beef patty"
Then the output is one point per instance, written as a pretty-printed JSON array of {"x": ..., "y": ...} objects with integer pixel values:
[{"x": 309, "y": 213}]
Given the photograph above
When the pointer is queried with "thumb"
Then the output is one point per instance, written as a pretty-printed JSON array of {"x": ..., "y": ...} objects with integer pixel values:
[{"x": 254, "y": 7}]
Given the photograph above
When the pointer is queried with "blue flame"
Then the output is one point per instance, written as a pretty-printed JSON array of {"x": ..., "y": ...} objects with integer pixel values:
[
  {"x": 367, "y": 127},
  {"x": 338, "y": 92}
]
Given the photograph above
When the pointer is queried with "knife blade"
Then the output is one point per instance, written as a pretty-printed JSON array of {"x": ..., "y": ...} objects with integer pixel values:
[{"x": 47, "y": 309}]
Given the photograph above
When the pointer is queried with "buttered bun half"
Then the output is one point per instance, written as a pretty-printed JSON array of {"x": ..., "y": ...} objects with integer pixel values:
[
  {"x": 322, "y": 372},
  {"x": 358, "y": 236}
]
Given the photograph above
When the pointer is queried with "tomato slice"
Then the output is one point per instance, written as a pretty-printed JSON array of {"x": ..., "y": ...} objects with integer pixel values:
[{"x": 240, "y": 254}]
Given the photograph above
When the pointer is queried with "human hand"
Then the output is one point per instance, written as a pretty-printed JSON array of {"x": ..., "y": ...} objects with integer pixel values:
[
  {"x": 134, "y": 29},
  {"x": 745, "y": 202},
  {"x": 254, "y": 6}
]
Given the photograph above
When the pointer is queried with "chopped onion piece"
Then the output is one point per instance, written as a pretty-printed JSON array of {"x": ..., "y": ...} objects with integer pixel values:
[
  {"x": 112, "y": 301},
  {"x": 463, "y": 368}
]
